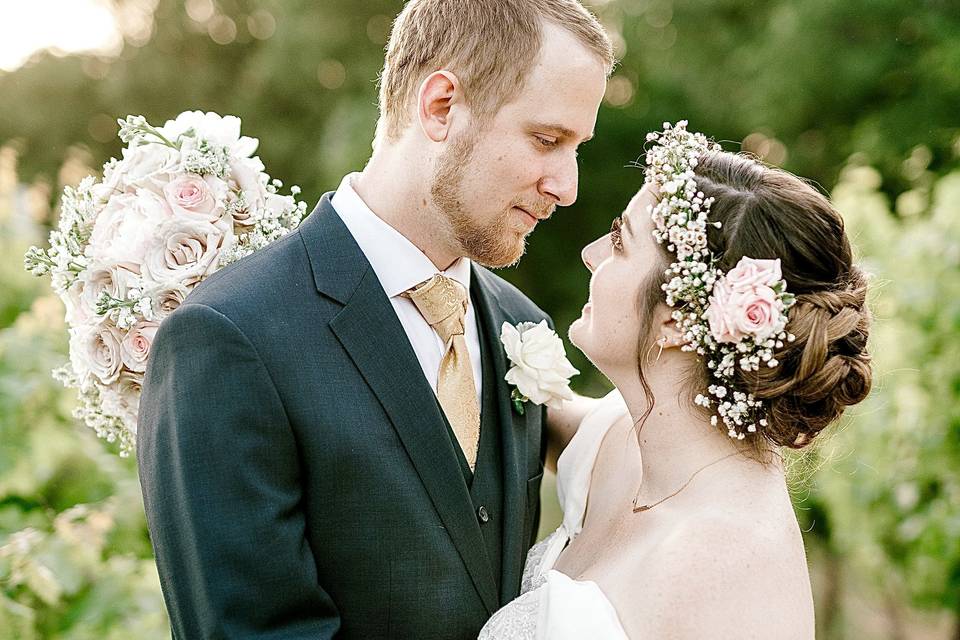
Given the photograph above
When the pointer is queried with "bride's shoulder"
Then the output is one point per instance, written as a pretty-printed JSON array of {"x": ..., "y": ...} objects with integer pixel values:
[
  {"x": 709, "y": 571},
  {"x": 736, "y": 545}
]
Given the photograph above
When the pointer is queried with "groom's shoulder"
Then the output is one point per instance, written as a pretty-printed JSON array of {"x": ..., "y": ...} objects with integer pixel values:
[
  {"x": 262, "y": 283},
  {"x": 510, "y": 298}
]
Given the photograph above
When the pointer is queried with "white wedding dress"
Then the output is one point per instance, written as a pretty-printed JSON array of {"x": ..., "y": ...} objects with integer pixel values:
[{"x": 552, "y": 606}]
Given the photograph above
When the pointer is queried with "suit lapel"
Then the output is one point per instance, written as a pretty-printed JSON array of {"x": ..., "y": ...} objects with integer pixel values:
[
  {"x": 371, "y": 333},
  {"x": 491, "y": 317}
]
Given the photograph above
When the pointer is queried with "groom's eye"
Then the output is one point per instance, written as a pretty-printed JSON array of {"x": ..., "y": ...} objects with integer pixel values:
[
  {"x": 616, "y": 236},
  {"x": 544, "y": 141}
]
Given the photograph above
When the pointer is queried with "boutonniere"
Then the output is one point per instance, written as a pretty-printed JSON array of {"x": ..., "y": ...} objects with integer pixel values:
[{"x": 541, "y": 372}]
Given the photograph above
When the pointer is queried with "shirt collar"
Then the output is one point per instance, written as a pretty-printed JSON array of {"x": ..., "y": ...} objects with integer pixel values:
[{"x": 398, "y": 263}]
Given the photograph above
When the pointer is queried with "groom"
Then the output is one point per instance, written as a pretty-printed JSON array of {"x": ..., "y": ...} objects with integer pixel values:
[{"x": 326, "y": 442}]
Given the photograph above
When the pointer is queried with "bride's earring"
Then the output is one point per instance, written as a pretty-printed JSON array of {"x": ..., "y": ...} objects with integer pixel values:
[{"x": 661, "y": 341}]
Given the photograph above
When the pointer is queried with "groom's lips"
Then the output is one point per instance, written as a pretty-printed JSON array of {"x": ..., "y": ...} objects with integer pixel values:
[
  {"x": 535, "y": 218},
  {"x": 530, "y": 218}
]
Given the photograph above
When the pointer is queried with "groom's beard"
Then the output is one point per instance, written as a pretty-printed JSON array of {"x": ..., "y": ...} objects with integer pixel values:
[{"x": 494, "y": 244}]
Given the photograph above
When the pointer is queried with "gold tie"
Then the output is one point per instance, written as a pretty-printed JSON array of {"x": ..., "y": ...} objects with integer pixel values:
[{"x": 442, "y": 302}]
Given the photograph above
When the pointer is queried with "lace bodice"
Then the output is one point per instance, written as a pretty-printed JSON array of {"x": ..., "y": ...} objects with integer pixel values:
[{"x": 553, "y": 606}]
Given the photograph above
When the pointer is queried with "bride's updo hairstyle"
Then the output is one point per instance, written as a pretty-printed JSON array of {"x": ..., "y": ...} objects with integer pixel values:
[{"x": 768, "y": 213}]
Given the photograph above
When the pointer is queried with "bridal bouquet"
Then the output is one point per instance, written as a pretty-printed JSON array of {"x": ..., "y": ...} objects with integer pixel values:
[{"x": 186, "y": 199}]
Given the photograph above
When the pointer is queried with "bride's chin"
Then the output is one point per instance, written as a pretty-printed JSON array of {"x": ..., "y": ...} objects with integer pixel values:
[{"x": 575, "y": 332}]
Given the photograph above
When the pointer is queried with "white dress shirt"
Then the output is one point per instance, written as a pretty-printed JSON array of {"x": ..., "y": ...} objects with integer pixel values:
[{"x": 400, "y": 265}]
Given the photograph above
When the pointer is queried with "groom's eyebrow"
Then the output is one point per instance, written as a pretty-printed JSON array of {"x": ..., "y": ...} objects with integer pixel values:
[{"x": 559, "y": 130}]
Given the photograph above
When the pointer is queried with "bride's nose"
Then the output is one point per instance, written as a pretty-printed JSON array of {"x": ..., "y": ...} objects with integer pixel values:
[{"x": 595, "y": 252}]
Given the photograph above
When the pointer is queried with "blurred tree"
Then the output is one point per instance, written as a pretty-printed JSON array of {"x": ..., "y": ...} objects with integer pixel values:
[
  {"x": 892, "y": 492},
  {"x": 75, "y": 559},
  {"x": 803, "y": 84}
]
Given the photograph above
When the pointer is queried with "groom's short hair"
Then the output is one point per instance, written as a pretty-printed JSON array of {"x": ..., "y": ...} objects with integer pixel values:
[{"x": 489, "y": 44}]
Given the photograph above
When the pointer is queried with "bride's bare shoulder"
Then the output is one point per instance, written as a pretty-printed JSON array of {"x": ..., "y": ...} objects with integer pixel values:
[{"x": 723, "y": 575}]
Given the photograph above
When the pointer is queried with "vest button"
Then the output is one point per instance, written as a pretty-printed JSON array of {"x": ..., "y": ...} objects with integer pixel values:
[{"x": 483, "y": 514}]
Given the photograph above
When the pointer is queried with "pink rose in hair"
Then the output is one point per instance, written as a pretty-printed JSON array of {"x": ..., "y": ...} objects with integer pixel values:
[
  {"x": 756, "y": 311},
  {"x": 735, "y": 313},
  {"x": 751, "y": 273},
  {"x": 722, "y": 326}
]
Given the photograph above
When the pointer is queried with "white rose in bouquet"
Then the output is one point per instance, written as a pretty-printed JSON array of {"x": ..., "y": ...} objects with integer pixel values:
[
  {"x": 253, "y": 190},
  {"x": 144, "y": 168},
  {"x": 101, "y": 349},
  {"x": 185, "y": 200},
  {"x": 220, "y": 131},
  {"x": 79, "y": 366},
  {"x": 185, "y": 251},
  {"x": 125, "y": 227},
  {"x": 78, "y": 311},
  {"x": 165, "y": 299},
  {"x": 114, "y": 281},
  {"x": 123, "y": 398}
]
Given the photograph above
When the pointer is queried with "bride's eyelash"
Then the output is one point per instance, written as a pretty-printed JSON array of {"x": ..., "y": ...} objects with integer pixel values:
[{"x": 616, "y": 237}]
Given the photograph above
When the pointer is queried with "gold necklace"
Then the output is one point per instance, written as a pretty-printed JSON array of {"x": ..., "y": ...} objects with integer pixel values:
[
  {"x": 611, "y": 539},
  {"x": 647, "y": 507}
]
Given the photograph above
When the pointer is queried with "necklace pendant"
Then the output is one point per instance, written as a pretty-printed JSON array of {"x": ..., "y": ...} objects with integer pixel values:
[{"x": 642, "y": 507}]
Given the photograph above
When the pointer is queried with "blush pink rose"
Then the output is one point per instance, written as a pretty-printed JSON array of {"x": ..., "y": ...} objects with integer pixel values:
[
  {"x": 751, "y": 273},
  {"x": 192, "y": 198},
  {"x": 756, "y": 311},
  {"x": 135, "y": 348},
  {"x": 736, "y": 313}
]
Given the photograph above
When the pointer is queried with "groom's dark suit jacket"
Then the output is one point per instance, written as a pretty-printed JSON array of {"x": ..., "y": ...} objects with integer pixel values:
[{"x": 299, "y": 477}]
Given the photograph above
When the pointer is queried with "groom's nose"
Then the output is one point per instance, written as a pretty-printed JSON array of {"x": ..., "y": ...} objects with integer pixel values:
[{"x": 560, "y": 179}]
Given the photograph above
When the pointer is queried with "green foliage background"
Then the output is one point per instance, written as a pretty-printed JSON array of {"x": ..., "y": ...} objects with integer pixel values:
[{"x": 861, "y": 96}]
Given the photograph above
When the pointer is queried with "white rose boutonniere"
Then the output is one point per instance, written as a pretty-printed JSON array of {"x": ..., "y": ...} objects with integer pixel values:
[{"x": 541, "y": 372}]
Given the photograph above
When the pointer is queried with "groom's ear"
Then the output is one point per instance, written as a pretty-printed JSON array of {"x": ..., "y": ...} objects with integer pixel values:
[{"x": 438, "y": 95}]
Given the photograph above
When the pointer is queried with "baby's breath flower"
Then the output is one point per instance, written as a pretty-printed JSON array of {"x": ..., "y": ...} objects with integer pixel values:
[{"x": 680, "y": 222}]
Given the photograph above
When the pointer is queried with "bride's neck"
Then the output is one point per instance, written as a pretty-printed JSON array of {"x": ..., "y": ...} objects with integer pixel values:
[{"x": 676, "y": 439}]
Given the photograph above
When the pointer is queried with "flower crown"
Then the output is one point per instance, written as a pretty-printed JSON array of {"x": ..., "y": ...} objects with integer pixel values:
[{"x": 735, "y": 319}]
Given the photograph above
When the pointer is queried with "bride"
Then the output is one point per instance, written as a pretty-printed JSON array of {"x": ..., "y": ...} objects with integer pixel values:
[{"x": 725, "y": 307}]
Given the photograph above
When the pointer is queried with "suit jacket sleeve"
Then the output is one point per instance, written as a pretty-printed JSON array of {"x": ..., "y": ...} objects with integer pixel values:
[{"x": 219, "y": 471}]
